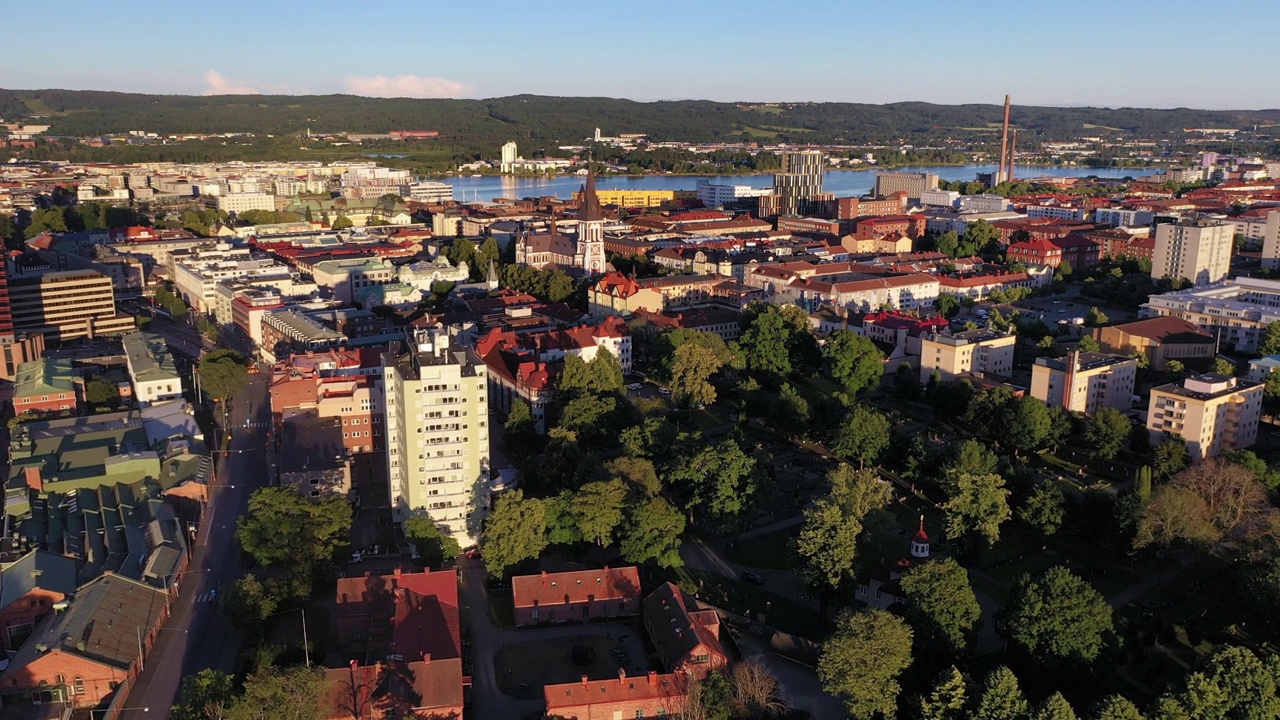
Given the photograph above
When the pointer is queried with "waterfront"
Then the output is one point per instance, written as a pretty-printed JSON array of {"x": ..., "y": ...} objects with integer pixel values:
[{"x": 841, "y": 182}]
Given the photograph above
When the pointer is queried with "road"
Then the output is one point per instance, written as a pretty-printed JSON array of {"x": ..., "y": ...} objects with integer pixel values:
[{"x": 198, "y": 635}]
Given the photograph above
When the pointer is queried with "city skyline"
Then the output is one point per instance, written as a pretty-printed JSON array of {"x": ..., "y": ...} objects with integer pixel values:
[{"x": 943, "y": 53}]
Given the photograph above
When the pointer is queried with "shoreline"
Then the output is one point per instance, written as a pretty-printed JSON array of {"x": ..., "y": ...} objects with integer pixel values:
[{"x": 869, "y": 168}]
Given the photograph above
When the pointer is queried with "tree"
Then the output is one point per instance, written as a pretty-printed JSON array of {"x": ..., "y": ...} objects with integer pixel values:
[
  {"x": 1108, "y": 431},
  {"x": 223, "y": 374},
  {"x": 1223, "y": 366},
  {"x": 652, "y": 533},
  {"x": 1271, "y": 394},
  {"x": 862, "y": 436},
  {"x": 205, "y": 695},
  {"x": 981, "y": 234},
  {"x": 100, "y": 392},
  {"x": 756, "y": 692},
  {"x": 1045, "y": 508},
  {"x": 693, "y": 365},
  {"x": 827, "y": 545},
  {"x": 764, "y": 339},
  {"x": 1063, "y": 271},
  {"x": 1175, "y": 367},
  {"x": 1057, "y": 618},
  {"x": 790, "y": 411},
  {"x": 1269, "y": 343},
  {"x": 947, "y": 700},
  {"x": 1116, "y": 707},
  {"x": 1001, "y": 697},
  {"x": 708, "y": 699},
  {"x": 948, "y": 306},
  {"x": 299, "y": 693},
  {"x": 284, "y": 529},
  {"x": 941, "y": 604},
  {"x": 716, "y": 480},
  {"x": 948, "y": 243},
  {"x": 604, "y": 372},
  {"x": 515, "y": 531},
  {"x": 906, "y": 382},
  {"x": 1175, "y": 515},
  {"x": 855, "y": 361},
  {"x": 1087, "y": 344},
  {"x": 1205, "y": 503},
  {"x": 342, "y": 222},
  {"x": 1170, "y": 457},
  {"x": 977, "y": 505},
  {"x": 862, "y": 660},
  {"x": 1095, "y": 317},
  {"x": 1054, "y": 707},
  {"x": 248, "y": 603},
  {"x": 598, "y": 509},
  {"x": 434, "y": 546},
  {"x": 638, "y": 473},
  {"x": 522, "y": 434},
  {"x": 1026, "y": 424}
]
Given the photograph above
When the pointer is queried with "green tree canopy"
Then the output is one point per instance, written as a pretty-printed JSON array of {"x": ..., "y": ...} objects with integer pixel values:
[
  {"x": 342, "y": 222},
  {"x": 717, "y": 481},
  {"x": 1001, "y": 697},
  {"x": 205, "y": 695},
  {"x": 862, "y": 660},
  {"x": 1269, "y": 342},
  {"x": 1116, "y": 707},
  {"x": 977, "y": 505},
  {"x": 433, "y": 544},
  {"x": 100, "y": 392},
  {"x": 283, "y": 529},
  {"x": 1045, "y": 508},
  {"x": 1054, "y": 707},
  {"x": 1108, "y": 431},
  {"x": 1169, "y": 457},
  {"x": 652, "y": 533},
  {"x": 223, "y": 374},
  {"x": 941, "y": 604},
  {"x": 855, "y": 361},
  {"x": 598, "y": 509},
  {"x": 948, "y": 699},
  {"x": 764, "y": 340},
  {"x": 271, "y": 693},
  {"x": 248, "y": 603},
  {"x": 1057, "y": 618},
  {"x": 516, "y": 530},
  {"x": 690, "y": 373},
  {"x": 862, "y": 436}
]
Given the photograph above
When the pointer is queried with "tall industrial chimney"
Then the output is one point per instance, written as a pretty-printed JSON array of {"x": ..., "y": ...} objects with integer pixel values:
[
  {"x": 1001, "y": 174},
  {"x": 1013, "y": 150}
]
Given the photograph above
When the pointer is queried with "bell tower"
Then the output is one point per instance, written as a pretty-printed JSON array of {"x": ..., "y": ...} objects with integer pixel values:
[
  {"x": 920, "y": 543},
  {"x": 590, "y": 227}
]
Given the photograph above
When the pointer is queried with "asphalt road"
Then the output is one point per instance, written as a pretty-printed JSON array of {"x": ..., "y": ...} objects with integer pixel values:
[{"x": 198, "y": 635}]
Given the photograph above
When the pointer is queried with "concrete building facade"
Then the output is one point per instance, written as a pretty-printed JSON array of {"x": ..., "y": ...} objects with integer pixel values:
[
  {"x": 1085, "y": 382},
  {"x": 1211, "y": 413},
  {"x": 1198, "y": 252},
  {"x": 984, "y": 351}
]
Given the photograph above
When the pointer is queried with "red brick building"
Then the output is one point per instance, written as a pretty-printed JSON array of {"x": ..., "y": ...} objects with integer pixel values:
[
  {"x": 30, "y": 587},
  {"x": 652, "y": 696},
  {"x": 687, "y": 640},
  {"x": 46, "y": 386},
  {"x": 1078, "y": 250},
  {"x": 576, "y": 596},
  {"x": 911, "y": 226},
  {"x": 1037, "y": 251},
  {"x": 340, "y": 384}
]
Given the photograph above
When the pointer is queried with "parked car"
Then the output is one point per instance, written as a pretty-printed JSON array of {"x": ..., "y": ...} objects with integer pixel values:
[
  {"x": 752, "y": 577},
  {"x": 634, "y": 386}
]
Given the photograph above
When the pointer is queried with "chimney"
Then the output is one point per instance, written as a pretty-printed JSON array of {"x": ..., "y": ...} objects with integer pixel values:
[
  {"x": 622, "y": 675},
  {"x": 1004, "y": 143},
  {"x": 396, "y": 572},
  {"x": 34, "y": 481},
  {"x": 584, "y": 681},
  {"x": 544, "y": 573},
  {"x": 354, "y": 664},
  {"x": 426, "y": 657},
  {"x": 653, "y": 679}
]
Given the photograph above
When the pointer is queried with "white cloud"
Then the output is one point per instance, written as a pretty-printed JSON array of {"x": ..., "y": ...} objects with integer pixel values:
[
  {"x": 410, "y": 86},
  {"x": 216, "y": 84}
]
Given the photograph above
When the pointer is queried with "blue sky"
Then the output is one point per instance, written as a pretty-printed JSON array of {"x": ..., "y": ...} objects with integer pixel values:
[{"x": 1158, "y": 53}]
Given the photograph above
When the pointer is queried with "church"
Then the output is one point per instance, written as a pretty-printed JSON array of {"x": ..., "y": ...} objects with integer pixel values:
[
  {"x": 881, "y": 589},
  {"x": 580, "y": 255}
]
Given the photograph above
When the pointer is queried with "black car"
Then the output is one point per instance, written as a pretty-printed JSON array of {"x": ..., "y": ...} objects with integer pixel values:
[{"x": 751, "y": 577}]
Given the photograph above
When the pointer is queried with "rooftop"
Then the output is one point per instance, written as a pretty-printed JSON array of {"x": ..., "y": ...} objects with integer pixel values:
[
  {"x": 1209, "y": 386},
  {"x": 1085, "y": 361},
  {"x": 149, "y": 358},
  {"x": 575, "y": 586},
  {"x": 44, "y": 377}
]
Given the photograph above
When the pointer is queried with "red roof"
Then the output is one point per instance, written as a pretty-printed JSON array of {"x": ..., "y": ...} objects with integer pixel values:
[
  {"x": 575, "y": 587},
  {"x": 423, "y": 607},
  {"x": 897, "y": 320},
  {"x": 622, "y": 689}
]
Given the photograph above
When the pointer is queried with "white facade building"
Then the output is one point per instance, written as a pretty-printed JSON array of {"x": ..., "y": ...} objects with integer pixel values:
[
  {"x": 430, "y": 191},
  {"x": 509, "y": 157},
  {"x": 1123, "y": 217},
  {"x": 1198, "y": 252},
  {"x": 1271, "y": 242},
  {"x": 151, "y": 369},
  {"x": 1235, "y": 311},
  {"x": 714, "y": 195},
  {"x": 1057, "y": 212},
  {"x": 984, "y": 204},
  {"x": 940, "y": 198},
  {"x": 239, "y": 202}
]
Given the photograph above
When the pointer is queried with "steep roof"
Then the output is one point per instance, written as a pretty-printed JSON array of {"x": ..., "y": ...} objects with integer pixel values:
[
  {"x": 423, "y": 608},
  {"x": 575, "y": 587},
  {"x": 622, "y": 689},
  {"x": 674, "y": 628},
  {"x": 38, "y": 569}
]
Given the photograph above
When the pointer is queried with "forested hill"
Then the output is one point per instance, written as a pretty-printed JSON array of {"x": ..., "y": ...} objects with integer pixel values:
[{"x": 570, "y": 119}]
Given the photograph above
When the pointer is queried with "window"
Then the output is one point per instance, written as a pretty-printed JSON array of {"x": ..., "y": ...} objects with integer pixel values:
[{"x": 77, "y": 686}]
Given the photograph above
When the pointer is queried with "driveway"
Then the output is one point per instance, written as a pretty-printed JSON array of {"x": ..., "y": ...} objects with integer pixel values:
[{"x": 709, "y": 556}]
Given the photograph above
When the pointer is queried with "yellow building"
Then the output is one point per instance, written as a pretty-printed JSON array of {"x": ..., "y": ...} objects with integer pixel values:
[
  {"x": 643, "y": 198},
  {"x": 1211, "y": 413},
  {"x": 66, "y": 305},
  {"x": 984, "y": 351},
  {"x": 1085, "y": 382}
]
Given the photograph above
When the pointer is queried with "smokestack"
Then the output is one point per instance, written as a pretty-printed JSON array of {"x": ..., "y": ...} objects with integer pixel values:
[
  {"x": 1013, "y": 150},
  {"x": 1004, "y": 142}
]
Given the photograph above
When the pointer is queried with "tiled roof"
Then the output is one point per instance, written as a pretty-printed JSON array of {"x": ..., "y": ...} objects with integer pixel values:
[
  {"x": 615, "y": 690},
  {"x": 676, "y": 629},
  {"x": 1167, "y": 329},
  {"x": 575, "y": 587}
]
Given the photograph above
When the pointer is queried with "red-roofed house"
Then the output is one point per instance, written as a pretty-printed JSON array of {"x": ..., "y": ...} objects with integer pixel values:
[
  {"x": 578, "y": 595},
  {"x": 911, "y": 226},
  {"x": 1078, "y": 250},
  {"x": 652, "y": 696},
  {"x": 1037, "y": 251},
  {"x": 688, "y": 641},
  {"x": 902, "y": 331}
]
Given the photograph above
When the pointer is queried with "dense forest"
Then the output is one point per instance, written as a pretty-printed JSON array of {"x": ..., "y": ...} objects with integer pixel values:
[{"x": 532, "y": 119}]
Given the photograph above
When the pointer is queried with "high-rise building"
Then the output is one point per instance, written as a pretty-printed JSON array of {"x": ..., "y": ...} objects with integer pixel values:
[
  {"x": 1085, "y": 382},
  {"x": 1271, "y": 242},
  {"x": 914, "y": 184},
  {"x": 1196, "y": 251},
  {"x": 437, "y": 432},
  {"x": 509, "y": 157},
  {"x": 66, "y": 305},
  {"x": 1211, "y": 413},
  {"x": 6, "y": 312},
  {"x": 799, "y": 184}
]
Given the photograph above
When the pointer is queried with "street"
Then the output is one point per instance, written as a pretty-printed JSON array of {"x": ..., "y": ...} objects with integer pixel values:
[{"x": 198, "y": 635}]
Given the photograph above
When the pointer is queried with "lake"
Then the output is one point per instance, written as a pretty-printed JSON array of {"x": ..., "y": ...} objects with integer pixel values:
[{"x": 843, "y": 183}]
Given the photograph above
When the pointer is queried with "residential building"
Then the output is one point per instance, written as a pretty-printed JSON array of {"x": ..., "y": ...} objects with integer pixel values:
[
  {"x": 66, "y": 305},
  {"x": 1161, "y": 339},
  {"x": 1038, "y": 251},
  {"x": 639, "y": 199},
  {"x": 618, "y": 294},
  {"x": 1085, "y": 382},
  {"x": 240, "y": 202},
  {"x": 1211, "y": 413},
  {"x": 80, "y": 656},
  {"x": 980, "y": 204},
  {"x": 151, "y": 368},
  {"x": 654, "y": 695},
  {"x": 1235, "y": 311},
  {"x": 18, "y": 348},
  {"x": 1271, "y": 242},
  {"x": 313, "y": 455},
  {"x": 510, "y": 153},
  {"x": 576, "y": 595},
  {"x": 727, "y": 324},
  {"x": 985, "y": 351},
  {"x": 288, "y": 332},
  {"x": 46, "y": 386},
  {"x": 437, "y": 415},
  {"x": 978, "y": 285},
  {"x": 425, "y": 274},
  {"x": 714, "y": 195},
  {"x": 342, "y": 385},
  {"x": 1123, "y": 217},
  {"x": 909, "y": 226},
  {"x": 914, "y": 184},
  {"x": 249, "y": 305},
  {"x": 798, "y": 187},
  {"x": 687, "y": 639},
  {"x": 1261, "y": 368},
  {"x": 30, "y": 589},
  {"x": 901, "y": 331},
  {"x": 940, "y": 198},
  {"x": 408, "y": 622},
  {"x": 1199, "y": 252},
  {"x": 344, "y": 279},
  {"x": 1057, "y": 212},
  {"x": 197, "y": 281}
]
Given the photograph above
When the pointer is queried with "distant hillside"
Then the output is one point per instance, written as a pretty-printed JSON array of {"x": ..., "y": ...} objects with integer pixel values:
[{"x": 532, "y": 119}]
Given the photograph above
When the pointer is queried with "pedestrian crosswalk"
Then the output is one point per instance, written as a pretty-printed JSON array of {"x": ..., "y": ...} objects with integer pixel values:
[
  {"x": 207, "y": 597},
  {"x": 257, "y": 423}
]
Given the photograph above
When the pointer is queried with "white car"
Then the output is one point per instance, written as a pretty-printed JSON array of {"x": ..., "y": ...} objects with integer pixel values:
[
  {"x": 634, "y": 386},
  {"x": 664, "y": 392}
]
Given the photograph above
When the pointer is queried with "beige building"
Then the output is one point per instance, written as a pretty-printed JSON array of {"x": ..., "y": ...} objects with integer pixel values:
[
  {"x": 1161, "y": 339},
  {"x": 67, "y": 305},
  {"x": 1271, "y": 241},
  {"x": 1211, "y": 413},
  {"x": 437, "y": 433},
  {"x": 1085, "y": 382},
  {"x": 1199, "y": 252},
  {"x": 984, "y": 351},
  {"x": 1236, "y": 312},
  {"x": 347, "y": 277}
]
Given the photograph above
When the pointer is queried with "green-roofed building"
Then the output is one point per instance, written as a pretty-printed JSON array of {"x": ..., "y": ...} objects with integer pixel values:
[{"x": 46, "y": 386}]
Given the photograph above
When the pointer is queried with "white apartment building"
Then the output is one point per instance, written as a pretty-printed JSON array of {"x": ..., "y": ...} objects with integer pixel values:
[
  {"x": 1235, "y": 311},
  {"x": 155, "y": 378},
  {"x": 1271, "y": 242},
  {"x": 1198, "y": 252},
  {"x": 1085, "y": 382},
  {"x": 984, "y": 204},
  {"x": 437, "y": 430},
  {"x": 941, "y": 221},
  {"x": 1211, "y": 413},
  {"x": 430, "y": 191},
  {"x": 715, "y": 195},
  {"x": 940, "y": 198},
  {"x": 1057, "y": 212},
  {"x": 982, "y": 351},
  {"x": 1123, "y": 217},
  {"x": 509, "y": 156},
  {"x": 239, "y": 202}
]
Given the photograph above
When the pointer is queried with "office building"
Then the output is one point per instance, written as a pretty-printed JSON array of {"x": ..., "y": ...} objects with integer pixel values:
[
  {"x": 346, "y": 278},
  {"x": 430, "y": 192},
  {"x": 240, "y": 202},
  {"x": 797, "y": 188},
  {"x": 940, "y": 198},
  {"x": 1235, "y": 312},
  {"x": 509, "y": 157},
  {"x": 437, "y": 433},
  {"x": 1211, "y": 413},
  {"x": 914, "y": 184},
  {"x": 66, "y": 305},
  {"x": 1196, "y": 251},
  {"x": 1271, "y": 242},
  {"x": 714, "y": 195},
  {"x": 1085, "y": 382},
  {"x": 289, "y": 332},
  {"x": 972, "y": 351}
]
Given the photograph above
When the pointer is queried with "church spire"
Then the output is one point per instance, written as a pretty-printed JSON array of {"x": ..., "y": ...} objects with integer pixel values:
[{"x": 590, "y": 207}]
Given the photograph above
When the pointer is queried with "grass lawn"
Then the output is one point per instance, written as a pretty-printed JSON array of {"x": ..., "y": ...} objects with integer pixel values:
[
  {"x": 771, "y": 551},
  {"x": 524, "y": 668}
]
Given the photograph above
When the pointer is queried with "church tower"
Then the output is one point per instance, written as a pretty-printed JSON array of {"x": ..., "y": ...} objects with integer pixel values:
[
  {"x": 920, "y": 543},
  {"x": 590, "y": 251}
]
